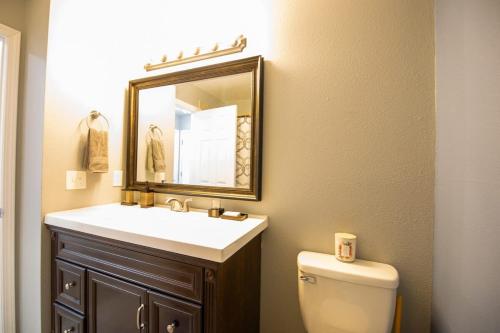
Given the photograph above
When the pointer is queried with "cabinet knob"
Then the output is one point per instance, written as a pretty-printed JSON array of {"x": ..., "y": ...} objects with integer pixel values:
[
  {"x": 171, "y": 327},
  {"x": 69, "y": 330},
  {"x": 68, "y": 285}
]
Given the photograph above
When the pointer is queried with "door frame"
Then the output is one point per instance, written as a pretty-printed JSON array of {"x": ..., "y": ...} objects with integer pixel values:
[{"x": 8, "y": 113}]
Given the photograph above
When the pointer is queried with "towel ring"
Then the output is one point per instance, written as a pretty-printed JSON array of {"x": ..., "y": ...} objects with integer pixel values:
[
  {"x": 151, "y": 133},
  {"x": 153, "y": 127},
  {"x": 93, "y": 115}
]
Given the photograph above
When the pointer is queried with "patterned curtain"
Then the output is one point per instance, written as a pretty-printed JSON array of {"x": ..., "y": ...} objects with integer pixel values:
[{"x": 243, "y": 151}]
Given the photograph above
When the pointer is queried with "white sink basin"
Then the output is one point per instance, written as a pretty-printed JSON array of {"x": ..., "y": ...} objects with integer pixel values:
[{"x": 193, "y": 234}]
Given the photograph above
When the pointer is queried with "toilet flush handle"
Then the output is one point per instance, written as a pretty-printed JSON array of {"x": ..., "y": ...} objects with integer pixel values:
[{"x": 308, "y": 279}]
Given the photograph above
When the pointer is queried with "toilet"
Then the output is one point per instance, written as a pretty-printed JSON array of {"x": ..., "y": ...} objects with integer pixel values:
[{"x": 338, "y": 297}]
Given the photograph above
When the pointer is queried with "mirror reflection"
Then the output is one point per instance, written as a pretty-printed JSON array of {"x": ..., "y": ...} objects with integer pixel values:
[{"x": 196, "y": 133}]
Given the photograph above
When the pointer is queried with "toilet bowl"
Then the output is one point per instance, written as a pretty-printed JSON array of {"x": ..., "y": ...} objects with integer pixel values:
[{"x": 338, "y": 297}]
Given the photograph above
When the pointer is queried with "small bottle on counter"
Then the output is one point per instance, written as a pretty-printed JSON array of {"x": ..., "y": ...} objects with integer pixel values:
[
  {"x": 128, "y": 197},
  {"x": 216, "y": 210},
  {"x": 147, "y": 197}
]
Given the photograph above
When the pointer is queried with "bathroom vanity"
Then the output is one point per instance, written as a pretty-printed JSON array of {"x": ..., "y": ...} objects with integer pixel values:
[
  {"x": 121, "y": 269},
  {"x": 125, "y": 269}
]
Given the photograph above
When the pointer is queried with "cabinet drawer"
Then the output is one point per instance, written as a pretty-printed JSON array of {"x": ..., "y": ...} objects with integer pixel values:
[
  {"x": 173, "y": 277},
  {"x": 70, "y": 285},
  {"x": 67, "y": 321},
  {"x": 167, "y": 314}
]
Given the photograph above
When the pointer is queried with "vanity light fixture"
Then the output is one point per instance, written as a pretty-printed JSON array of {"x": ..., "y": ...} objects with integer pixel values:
[{"x": 237, "y": 46}]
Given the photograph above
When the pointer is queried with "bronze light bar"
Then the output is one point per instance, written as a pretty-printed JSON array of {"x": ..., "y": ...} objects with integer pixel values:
[{"x": 238, "y": 45}]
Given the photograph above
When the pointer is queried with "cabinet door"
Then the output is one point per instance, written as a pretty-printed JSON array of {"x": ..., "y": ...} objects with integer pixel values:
[
  {"x": 115, "y": 306},
  {"x": 171, "y": 315}
]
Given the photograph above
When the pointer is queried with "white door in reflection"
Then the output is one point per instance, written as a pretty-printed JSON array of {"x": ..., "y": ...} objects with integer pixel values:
[{"x": 213, "y": 147}]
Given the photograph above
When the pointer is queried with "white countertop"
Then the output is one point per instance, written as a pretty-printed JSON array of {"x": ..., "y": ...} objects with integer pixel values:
[{"x": 193, "y": 234}]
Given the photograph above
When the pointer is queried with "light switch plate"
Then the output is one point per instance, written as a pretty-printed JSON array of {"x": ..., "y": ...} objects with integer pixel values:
[
  {"x": 160, "y": 177},
  {"x": 76, "y": 180},
  {"x": 118, "y": 178}
]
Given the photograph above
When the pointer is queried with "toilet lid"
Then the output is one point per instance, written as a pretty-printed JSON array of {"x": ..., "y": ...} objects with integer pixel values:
[{"x": 360, "y": 271}]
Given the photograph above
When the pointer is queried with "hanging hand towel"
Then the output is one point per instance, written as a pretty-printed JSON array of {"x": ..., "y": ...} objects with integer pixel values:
[
  {"x": 97, "y": 151},
  {"x": 149, "y": 158},
  {"x": 158, "y": 154}
]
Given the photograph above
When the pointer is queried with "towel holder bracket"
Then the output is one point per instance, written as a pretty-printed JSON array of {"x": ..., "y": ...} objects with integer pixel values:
[{"x": 94, "y": 115}]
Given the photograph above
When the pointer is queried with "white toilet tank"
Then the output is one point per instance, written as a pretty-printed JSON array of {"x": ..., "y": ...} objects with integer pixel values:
[{"x": 338, "y": 297}]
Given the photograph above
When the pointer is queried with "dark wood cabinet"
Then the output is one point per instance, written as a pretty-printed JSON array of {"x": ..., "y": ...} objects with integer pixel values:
[
  {"x": 70, "y": 285},
  {"x": 170, "y": 314},
  {"x": 66, "y": 321},
  {"x": 115, "y": 305},
  {"x": 102, "y": 285}
]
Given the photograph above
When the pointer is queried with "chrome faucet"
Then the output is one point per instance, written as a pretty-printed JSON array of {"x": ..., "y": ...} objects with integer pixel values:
[{"x": 178, "y": 206}]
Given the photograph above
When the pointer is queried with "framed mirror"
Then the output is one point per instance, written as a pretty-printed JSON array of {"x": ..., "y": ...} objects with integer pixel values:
[{"x": 198, "y": 132}]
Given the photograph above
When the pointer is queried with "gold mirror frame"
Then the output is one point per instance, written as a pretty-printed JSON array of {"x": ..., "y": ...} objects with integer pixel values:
[{"x": 254, "y": 65}]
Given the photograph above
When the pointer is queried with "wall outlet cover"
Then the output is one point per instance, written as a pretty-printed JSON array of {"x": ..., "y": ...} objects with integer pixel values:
[
  {"x": 76, "y": 180},
  {"x": 118, "y": 178}
]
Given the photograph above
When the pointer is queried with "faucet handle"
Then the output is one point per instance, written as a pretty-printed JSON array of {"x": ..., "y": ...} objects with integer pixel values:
[
  {"x": 174, "y": 204},
  {"x": 185, "y": 206}
]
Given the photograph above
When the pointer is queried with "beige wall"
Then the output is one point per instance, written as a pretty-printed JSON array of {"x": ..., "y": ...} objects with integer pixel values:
[
  {"x": 199, "y": 98},
  {"x": 348, "y": 125},
  {"x": 158, "y": 105},
  {"x": 196, "y": 97},
  {"x": 466, "y": 287},
  {"x": 31, "y": 18},
  {"x": 12, "y": 13}
]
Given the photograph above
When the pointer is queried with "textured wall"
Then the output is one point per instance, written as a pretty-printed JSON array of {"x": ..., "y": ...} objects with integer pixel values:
[
  {"x": 466, "y": 292},
  {"x": 348, "y": 125}
]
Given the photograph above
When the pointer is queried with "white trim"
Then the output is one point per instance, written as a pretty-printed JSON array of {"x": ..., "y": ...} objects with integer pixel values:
[
  {"x": 8, "y": 123},
  {"x": 186, "y": 106}
]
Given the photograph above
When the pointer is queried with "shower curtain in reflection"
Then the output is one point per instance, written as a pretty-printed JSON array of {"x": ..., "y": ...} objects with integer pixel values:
[{"x": 243, "y": 151}]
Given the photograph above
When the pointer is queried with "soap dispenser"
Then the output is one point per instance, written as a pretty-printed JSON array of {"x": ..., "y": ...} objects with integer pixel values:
[{"x": 147, "y": 197}]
